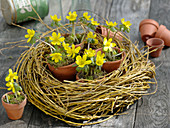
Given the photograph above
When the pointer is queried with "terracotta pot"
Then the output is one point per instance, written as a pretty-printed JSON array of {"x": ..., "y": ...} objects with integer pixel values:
[
  {"x": 154, "y": 43},
  {"x": 164, "y": 34},
  {"x": 148, "y": 29},
  {"x": 110, "y": 66},
  {"x": 104, "y": 31},
  {"x": 63, "y": 73},
  {"x": 14, "y": 111}
]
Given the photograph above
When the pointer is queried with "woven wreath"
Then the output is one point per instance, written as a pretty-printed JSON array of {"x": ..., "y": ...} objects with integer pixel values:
[{"x": 103, "y": 97}]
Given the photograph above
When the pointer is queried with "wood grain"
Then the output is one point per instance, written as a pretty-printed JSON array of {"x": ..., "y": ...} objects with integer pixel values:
[
  {"x": 154, "y": 112},
  {"x": 150, "y": 112}
]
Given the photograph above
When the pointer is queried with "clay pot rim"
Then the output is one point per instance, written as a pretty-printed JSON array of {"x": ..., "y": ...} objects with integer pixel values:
[
  {"x": 157, "y": 46},
  {"x": 66, "y": 66},
  {"x": 160, "y": 31},
  {"x": 13, "y": 105},
  {"x": 148, "y": 21}
]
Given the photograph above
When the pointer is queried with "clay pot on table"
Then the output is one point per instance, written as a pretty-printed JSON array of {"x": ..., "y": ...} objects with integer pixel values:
[
  {"x": 164, "y": 34},
  {"x": 154, "y": 43},
  {"x": 148, "y": 29},
  {"x": 104, "y": 32},
  {"x": 14, "y": 111},
  {"x": 110, "y": 66},
  {"x": 63, "y": 73}
]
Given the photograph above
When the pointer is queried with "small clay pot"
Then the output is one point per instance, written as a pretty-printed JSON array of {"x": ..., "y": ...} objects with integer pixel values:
[
  {"x": 164, "y": 34},
  {"x": 104, "y": 32},
  {"x": 110, "y": 66},
  {"x": 63, "y": 73},
  {"x": 14, "y": 111},
  {"x": 154, "y": 43},
  {"x": 148, "y": 29}
]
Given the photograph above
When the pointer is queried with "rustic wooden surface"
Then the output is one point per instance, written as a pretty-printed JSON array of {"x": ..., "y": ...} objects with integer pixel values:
[{"x": 151, "y": 112}]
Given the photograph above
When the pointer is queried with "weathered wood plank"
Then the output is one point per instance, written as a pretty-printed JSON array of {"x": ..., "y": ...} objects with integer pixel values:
[
  {"x": 15, "y": 124},
  {"x": 40, "y": 119},
  {"x": 111, "y": 9},
  {"x": 66, "y": 7},
  {"x": 155, "y": 110}
]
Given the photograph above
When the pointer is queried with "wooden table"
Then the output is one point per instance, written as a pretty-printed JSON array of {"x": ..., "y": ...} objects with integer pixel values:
[{"x": 151, "y": 111}]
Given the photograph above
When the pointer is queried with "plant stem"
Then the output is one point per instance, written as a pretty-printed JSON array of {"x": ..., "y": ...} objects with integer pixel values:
[
  {"x": 108, "y": 33},
  {"x": 115, "y": 34},
  {"x": 7, "y": 100},
  {"x": 73, "y": 30},
  {"x": 88, "y": 46},
  {"x": 15, "y": 94},
  {"x": 113, "y": 55}
]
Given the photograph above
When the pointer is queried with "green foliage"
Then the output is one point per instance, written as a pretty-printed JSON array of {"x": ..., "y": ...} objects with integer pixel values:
[
  {"x": 35, "y": 37},
  {"x": 17, "y": 87},
  {"x": 13, "y": 99},
  {"x": 123, "y": 28}
]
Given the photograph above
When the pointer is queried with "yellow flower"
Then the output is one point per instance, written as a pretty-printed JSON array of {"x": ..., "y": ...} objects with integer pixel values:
[
  {"x": 127, "y": 23},
  {"x": 56, "y": 39},
  {"x": 11, "y": 86},
  {"x": 90, "y": 53},
  {"x": 94, "y": 22},
  {"x": 30, "y": 34},
  {"x": 82, "y": 61},
  {"x": 56, "y": 57},
  {"x": 72, "y": 16},
  {"x": 108, "y": 44},
  {"x": 11, "y": 76},
  {"x": 54, "y": 18},
  {"x": 100, "y": 58},
  {"x": 72, "y": 51},
  {"x": 111, "y": 24},
  {"x": 86, "y": 16},
  {"x": 66, "y": 46},
  {"x": 90, "y": 35}
]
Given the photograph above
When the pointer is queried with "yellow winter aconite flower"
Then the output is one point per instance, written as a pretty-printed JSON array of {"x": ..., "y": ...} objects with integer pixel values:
[
  {"x": 11, "y": 76},
  {"x": 100, "y": 58},
  {"x": 11, "y": 86},
  {"x": 126, "y": 23},
  {"x": 82, "y": 61},
  {"x": 54, "y": 18},
  {"x": 65, "y": 45},
  {"x": 111, "y": 24},
  {"x": 72, "y": 16},
  {"x": 94, "y": 22},
  {"x": 108, "y": 45},
  {"x": 30, "y": 34},
  {"x": 90, "y": 35},
  {"x": 56, "y": 57},
  {"x": 85, "y": 15},
  {"x": 72, "y": 51},
  {"x": 90, "y": 53},
  {"x": 56, "y": 39}
]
